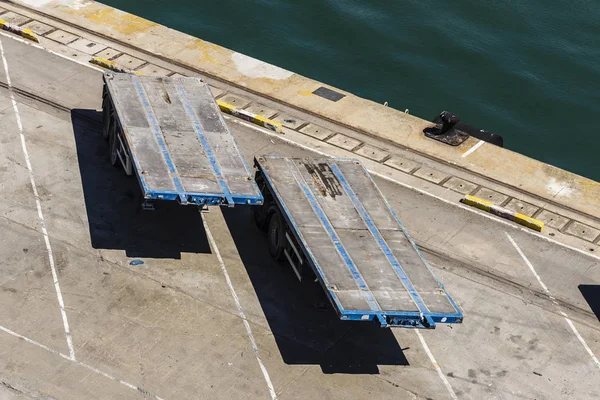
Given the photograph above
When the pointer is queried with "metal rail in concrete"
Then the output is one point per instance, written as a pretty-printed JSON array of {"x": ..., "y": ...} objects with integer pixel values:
[
  {"x": 171, "y": 328},
  {"x": 81, "y": 42},
  {"x": 393, "y": 127}
]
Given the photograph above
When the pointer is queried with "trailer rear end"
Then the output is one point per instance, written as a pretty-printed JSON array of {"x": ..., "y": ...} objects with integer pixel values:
[
  {"x": 327, "y": 216},
  {"x": 170, "y": 134}
]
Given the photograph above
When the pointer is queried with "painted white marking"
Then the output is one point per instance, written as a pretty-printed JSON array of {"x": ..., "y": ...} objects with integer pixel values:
[
  {"x": 236, "y": 300},
  {"x": 253, "y": 68},
  {"x": 472, "y": 149},
  {"x": 560, "y": 188},
  {"x": 35, "y": 3},
  {"x": 38, "y": 46},
  {"x": 569, "y": 322},
  {"x": 30, "y": 341},
  {"x": 567, "y": 191},
  {"x": 528, "y": 263},
  {"x": 75, "y": 4},
  {"x": 416, "y": 189},
  {"x": 39, "y": 209},
  {"x": 585, "y": 345},
  {"x": 436, "y": 366},
  {"x": 84, "y": 365},
  {"x": 553, "y": 185}
]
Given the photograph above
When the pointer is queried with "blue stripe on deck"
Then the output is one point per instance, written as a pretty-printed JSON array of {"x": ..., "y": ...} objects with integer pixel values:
[
  {"x": 334, "y": 237},
  {"x": 380, "y": 240},
  {"x": 209, "y": 152},
  {"x": 159, "y": 138},
  {"x": 312, "y": 260},
  {"x": 414, "y": 245}
]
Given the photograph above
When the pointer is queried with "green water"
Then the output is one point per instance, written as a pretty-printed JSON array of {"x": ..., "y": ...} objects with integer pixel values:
[{"x": 525, "y": 69}]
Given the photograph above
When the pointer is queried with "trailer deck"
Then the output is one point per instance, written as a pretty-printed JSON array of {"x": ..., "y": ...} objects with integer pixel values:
[
  {"x": 175, "y": 140},
  {"x": 366, "y": 261}
]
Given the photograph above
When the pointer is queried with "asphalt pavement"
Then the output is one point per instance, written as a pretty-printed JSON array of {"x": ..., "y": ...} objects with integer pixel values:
[{"x": 208, "y": 314}]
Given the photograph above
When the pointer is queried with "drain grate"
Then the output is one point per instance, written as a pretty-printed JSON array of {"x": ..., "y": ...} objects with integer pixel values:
[{"x": 329, "y": 94}]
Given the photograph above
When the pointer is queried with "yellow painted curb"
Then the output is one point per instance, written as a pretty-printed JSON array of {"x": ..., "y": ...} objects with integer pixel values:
[
  {"x": 24, "y": 33},
  {"x": 226, "y": 107},
  {"x": 529, "y": 222},
  {"x": 104, "y": 63},
  {"x": 29, "y": 34},
  {"x": 488, "y": 206},
  {"x": 111, "y": 65},
  {"x": 477, "y": 202},
  {"x": 250, "y": 117}
]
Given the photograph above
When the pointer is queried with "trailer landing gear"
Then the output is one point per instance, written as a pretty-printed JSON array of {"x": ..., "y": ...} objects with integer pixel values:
[{"x": 148, "y": 205}]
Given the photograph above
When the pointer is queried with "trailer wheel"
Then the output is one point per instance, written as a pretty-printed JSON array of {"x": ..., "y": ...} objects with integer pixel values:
[
  {"x": 261, "y": 216},
  {"x": 261, "y": 213},
  {"x": 106, "y": 117},
  {"x": 113, "y": 143},
  {"x": 276, "y": 236}
]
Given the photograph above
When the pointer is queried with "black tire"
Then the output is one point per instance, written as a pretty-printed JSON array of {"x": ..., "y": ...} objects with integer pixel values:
[
  {"x": 276, "y": 236},
  {"x": 261, "y": 213},
  {"x": 106, "y": 117},
  {"x": 261, "y": 216},
  {"x": 113, "y": 144}
]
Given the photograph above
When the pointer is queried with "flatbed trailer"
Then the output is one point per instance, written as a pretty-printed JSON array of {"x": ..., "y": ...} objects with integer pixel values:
[
  {"x": 170, "y": 134},
  {"x": 329, "y": 216}
]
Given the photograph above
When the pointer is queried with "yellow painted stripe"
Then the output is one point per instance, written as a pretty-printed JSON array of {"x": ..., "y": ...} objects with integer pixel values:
[
  {"x": 268, "y": 123},
  {"x": 529, "y": 222},
  {"x": 250, "y": 117},
  {"x": 24, "y": 33},
  {"x": 477, "y": 202},
  {"x": 226, "y": 107},
  {"x": 28, "y": 34},
  {"x": 104, "y": 63},
  {"x": 488, "y": 206}
]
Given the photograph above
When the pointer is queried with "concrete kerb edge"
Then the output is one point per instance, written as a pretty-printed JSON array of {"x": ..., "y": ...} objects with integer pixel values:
[
  {"x": 24, "y": 33},
  {"x": 502, "y": 212},
  {"x": 190, "y": 67},
  {"x": 104, "y": 63},
  {"x": 111, "y": 65},
  {"x": 250, "y": 117}
]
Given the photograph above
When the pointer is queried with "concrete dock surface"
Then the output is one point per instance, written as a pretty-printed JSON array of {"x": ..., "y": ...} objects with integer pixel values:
[{"x": 209, "y": 315}]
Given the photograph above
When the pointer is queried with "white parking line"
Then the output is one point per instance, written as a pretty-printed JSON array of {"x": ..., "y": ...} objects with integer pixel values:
[
  {"x": 270, "y": 133},
  {"x": 39, "y": 209},
  {"x": 436, "y": 366},
  {"x": 37, "y": 46},
  {"x": 421, "y": 338},
  {"x": 84, "y": 365},
  {"x": 569, "y": 322},
  {"x": 236, "y": 300},
  {"x": 416, "y": 189}
]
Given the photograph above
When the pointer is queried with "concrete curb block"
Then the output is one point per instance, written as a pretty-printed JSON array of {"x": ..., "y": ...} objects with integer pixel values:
[
  {"x": 488, "y": 206},
  {"x": 250, "y": 117},
  {"x": 105, "y": 63},
  {"x": 295, "y": 91},
  {"x": 24, "y": 33}
]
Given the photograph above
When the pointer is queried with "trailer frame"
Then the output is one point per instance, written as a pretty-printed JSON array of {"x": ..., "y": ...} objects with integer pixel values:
[
  {"x": 121, "y": 153},
  {"x": 292, "y": 246}
]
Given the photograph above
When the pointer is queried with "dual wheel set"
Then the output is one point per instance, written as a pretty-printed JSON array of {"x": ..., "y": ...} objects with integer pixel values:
[
  {"x": 112, "y": 131},
  {"x": 281, "y": 242},
  {"x": 268, "y": 218}
]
